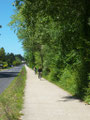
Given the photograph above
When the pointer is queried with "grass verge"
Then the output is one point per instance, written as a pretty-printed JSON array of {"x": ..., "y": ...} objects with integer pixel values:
[{"x": 11, "y": 100}]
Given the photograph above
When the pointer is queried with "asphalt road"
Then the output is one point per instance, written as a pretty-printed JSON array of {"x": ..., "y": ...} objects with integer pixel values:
[{"x": 7, "y": 76}]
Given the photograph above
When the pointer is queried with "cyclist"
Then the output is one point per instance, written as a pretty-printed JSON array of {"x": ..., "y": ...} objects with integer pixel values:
[
  {"x": 35, "y": 70},
  {"x": 40, "y": 73}
]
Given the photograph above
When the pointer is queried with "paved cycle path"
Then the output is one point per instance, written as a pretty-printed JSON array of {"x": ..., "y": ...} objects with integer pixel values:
[{"x": 45, "y": 101}]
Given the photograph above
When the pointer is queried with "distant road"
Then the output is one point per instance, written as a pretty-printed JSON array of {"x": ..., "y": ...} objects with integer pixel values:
[{"x": 7, "y": 76}]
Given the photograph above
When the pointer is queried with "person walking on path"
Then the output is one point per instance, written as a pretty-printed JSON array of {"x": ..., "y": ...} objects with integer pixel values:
[{"x": 45, "y": 101}]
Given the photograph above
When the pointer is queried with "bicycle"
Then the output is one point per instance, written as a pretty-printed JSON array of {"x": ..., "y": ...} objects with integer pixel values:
[{"x": 39, "y": 75}]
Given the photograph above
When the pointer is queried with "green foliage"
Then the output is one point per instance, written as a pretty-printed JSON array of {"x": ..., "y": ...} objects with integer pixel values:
[
  {"x": 15, "y": 63},
  {"x": 5, "y": 64},
  {"x": 9, "y": 59},
  {"x": 87, "y": 94},
  {"x": 56, "y": 35},
  {"x": 68, "y": 80},
  {"x": 2, "y": 54}
]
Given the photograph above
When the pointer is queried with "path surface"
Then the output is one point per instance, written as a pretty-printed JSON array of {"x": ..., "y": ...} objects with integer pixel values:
[
  {"x": 7, "y": 76},
  {"x": 45, "y": 101}
]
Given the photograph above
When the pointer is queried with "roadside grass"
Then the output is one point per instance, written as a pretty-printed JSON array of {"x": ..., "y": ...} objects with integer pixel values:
[{"x": 11, "y": 100}]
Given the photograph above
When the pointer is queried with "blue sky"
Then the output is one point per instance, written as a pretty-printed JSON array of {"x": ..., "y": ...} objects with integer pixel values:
[{"x": 8, "y": 38}]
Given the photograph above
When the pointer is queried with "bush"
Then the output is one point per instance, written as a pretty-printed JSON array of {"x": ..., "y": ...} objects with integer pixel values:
[
  {"x": 87, "y": 96},
  {"x": 5, "y": 64},
  {"x": 16, "y": 62}
]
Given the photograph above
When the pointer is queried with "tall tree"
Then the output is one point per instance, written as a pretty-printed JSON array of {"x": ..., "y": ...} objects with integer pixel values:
[
  {"x": 55, "y": 35},
  {"x": 2, "y": 54}
]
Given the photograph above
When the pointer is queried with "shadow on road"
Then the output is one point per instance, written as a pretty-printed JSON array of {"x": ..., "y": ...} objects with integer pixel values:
[{"x": 8, "y": 74}]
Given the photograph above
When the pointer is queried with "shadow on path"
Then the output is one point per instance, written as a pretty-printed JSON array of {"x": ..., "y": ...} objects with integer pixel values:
[{"x": 69, "y": 98}]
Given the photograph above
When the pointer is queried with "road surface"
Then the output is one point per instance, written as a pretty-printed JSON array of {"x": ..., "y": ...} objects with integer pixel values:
[
  {"x": 7, "y": 76},
  {"x": 45, "y": 101}
]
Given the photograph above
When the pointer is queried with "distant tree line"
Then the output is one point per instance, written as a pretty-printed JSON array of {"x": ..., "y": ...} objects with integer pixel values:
[
  {"x": 9, "y": 59},
  {"x": 56, "y": 35}
]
